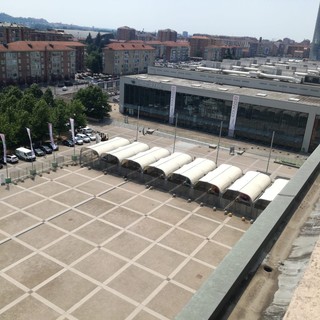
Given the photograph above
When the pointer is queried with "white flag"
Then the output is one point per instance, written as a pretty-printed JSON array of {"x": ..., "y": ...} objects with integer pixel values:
[
  {"x": 233, "y": 115},
  {"x": 172, "y": 103},
  {"x": 72, "y": 128},
  {"x": 31, "y": 147},
  {"x": 51, "y": 135},
  {"x": 3, "y": 138}
]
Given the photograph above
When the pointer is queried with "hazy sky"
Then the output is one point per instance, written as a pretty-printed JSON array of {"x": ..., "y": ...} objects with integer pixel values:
[{"x": 269, "y": 19}]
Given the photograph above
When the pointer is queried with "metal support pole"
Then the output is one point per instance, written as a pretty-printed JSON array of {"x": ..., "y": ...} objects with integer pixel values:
[
  {"x": 218, "y": 147},
  {"x": 138, "y": 116},
  {"x": 175, "y": 134},
  {"x": 270, "y": 150}
]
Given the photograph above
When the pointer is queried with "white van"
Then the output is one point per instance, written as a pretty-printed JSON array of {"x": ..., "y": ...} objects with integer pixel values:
[{"x": 25, "y": 154}]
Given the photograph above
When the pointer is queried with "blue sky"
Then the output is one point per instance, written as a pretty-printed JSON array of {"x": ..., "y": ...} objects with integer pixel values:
[{"x": 269, "y": 19}]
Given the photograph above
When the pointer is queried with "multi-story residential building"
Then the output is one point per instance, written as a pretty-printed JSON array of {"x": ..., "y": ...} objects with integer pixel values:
[
  {"x": 127, "y": 58},
  {"x": 38, "y": 61},
  {"x": 218, "y": 53},
  {"x": 176, "y": 51},
  {"x": 167, "y": 35},
  {"x": 125, "y": 33},
  {"x": 198, "y": 44},
  {"x": 10, "y": 32}
]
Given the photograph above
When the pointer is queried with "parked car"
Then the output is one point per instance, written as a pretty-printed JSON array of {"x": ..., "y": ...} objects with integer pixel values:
[
  {"x": 1, "y": 165},
  {"x": 53, "y": 146},
  {"x": 25, "y": 154},
  {"x": 91, "y": 136},
  {"x": 86, "y": 130},
  {"x": 46, "y": 149},
  {"x": 38, "y": 152},
  {"x": 82, "y": 136},
  {"x": 68, "y": 143},
  {"x": 64, "y": 88},
  {"x": 11, "y": 158},
  {"x": 78, "y": 140}
]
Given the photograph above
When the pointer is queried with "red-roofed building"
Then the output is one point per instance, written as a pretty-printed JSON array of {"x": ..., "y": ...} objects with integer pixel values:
[
  {"x": 39, "y": 61},
  {"x": 197, "y": 45},
  {"x": 127, "y": 58},
  {"x": 176, "y": 51}
]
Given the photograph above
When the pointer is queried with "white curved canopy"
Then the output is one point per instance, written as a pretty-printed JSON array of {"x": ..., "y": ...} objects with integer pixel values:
[
  {"x": 251, "y": 185},
  {"x": 166, "y": 166},
  {"x": 105, "y": 146},
  {"x": 121, "y": 153},
  {"x": 274, "y": 189},
  {"x": 220, "y": 179},
  {"x": 193, "y": 171},
  {"x": 143, "y": 159}
]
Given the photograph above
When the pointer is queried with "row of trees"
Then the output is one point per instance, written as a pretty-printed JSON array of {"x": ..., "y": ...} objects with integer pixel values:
[{"x": 34, "y": 109}]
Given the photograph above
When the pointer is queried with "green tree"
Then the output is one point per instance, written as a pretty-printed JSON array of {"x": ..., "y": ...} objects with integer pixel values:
[
  {"x": 76, "y": 111},
  {"x": 94, "y": 61},
  {"x": 95, "y": 102},
  {"x": 39, "y": 120},
  {"x": 60, "y": 116},
  {"x": 48, "y": 97},
  {"x": 35, "y": 90}
]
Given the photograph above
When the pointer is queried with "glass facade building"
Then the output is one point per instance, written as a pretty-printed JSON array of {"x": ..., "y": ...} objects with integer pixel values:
[{"x": 253, "y": 123}]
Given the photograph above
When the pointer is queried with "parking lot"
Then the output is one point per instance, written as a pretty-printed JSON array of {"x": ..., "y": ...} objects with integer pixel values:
[{"x": 76, "y": 243}]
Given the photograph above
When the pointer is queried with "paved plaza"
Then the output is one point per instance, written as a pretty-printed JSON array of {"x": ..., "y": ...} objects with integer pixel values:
[{"x": 81, "y": 244}]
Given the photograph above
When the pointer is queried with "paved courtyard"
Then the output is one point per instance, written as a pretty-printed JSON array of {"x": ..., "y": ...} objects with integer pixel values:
[{"x": 79, "y": 244}]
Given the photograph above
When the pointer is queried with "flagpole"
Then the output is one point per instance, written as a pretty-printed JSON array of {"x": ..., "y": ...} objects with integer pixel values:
[{"x": 175, "y": 134}]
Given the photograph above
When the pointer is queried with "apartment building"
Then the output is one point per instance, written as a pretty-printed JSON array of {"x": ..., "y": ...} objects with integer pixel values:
[
  {"x": 127, "y": 58},
  {"x": 176, "y": 51},
  {"x": 167, "y": 35},
  {"x": 218, "y": 53},
  {"x": 125, "y": 33},
  {"x": 11, "y": 32},
  {"x": 39, "y": 61},
  {"x": 198, "y": 44}
]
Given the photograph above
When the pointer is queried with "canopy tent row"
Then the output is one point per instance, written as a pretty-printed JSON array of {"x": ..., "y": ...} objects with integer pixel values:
[
  {"x": 218, "y": 180},
  {"x": 166, "y": 166},
  {"x": 93, "y": 152},
  {"x": 116, "y": 156},
  {"x": 190, "y": 173},
  {"x": 249, "y": 187},
  {"x": 145, "y": 158},
  {"x": 271, "y": 192}
]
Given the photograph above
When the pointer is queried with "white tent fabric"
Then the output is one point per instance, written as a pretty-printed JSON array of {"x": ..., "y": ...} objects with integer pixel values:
[
  {"x": 194, "y": 170},
  {"x": 221, "y": 178},
  {"x": 102, "y": 147},
  {"x": 121, "y": 153},
  {"x": 274, "y": 189},
  {"x": 251, "y": 185},
  {"x": 166, "y": 166},
  {"x": 143, "y": 159}
]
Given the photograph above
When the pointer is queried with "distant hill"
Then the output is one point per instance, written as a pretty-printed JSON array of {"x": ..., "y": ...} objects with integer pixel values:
[{"x": 42, "y": 24}]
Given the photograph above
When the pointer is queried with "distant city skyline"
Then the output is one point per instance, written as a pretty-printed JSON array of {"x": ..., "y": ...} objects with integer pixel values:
[{"x": 272, "y": 19}]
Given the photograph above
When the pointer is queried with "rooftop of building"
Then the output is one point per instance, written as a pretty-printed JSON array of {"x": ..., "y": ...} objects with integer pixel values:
[
  {"x": 128, "y": 46},
  {"x": 31, "y": 46}
]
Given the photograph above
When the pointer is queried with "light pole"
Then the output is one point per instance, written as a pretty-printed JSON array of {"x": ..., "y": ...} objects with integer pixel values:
[
  {"x": 138, "y": 116},
  {"x": 218, "y": 147},
  {"x": 270, "y": 150}
]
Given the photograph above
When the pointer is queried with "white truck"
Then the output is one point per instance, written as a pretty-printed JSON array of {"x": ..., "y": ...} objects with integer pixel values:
[{"x": 25, "y": 154}]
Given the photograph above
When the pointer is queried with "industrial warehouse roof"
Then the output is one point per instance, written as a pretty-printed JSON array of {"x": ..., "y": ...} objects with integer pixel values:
[
  {"x": 143, "y": 159},
  {"x": 121, "y": 153},
  {"x": 193, "y": 171},
  {"x": 251, "y": 185},
  {"x": 103, "y": 147},
  {"x": 166, "y": 166},
  {"x": 221, "y": 178},
  {"x": 204, "y": 87}
]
